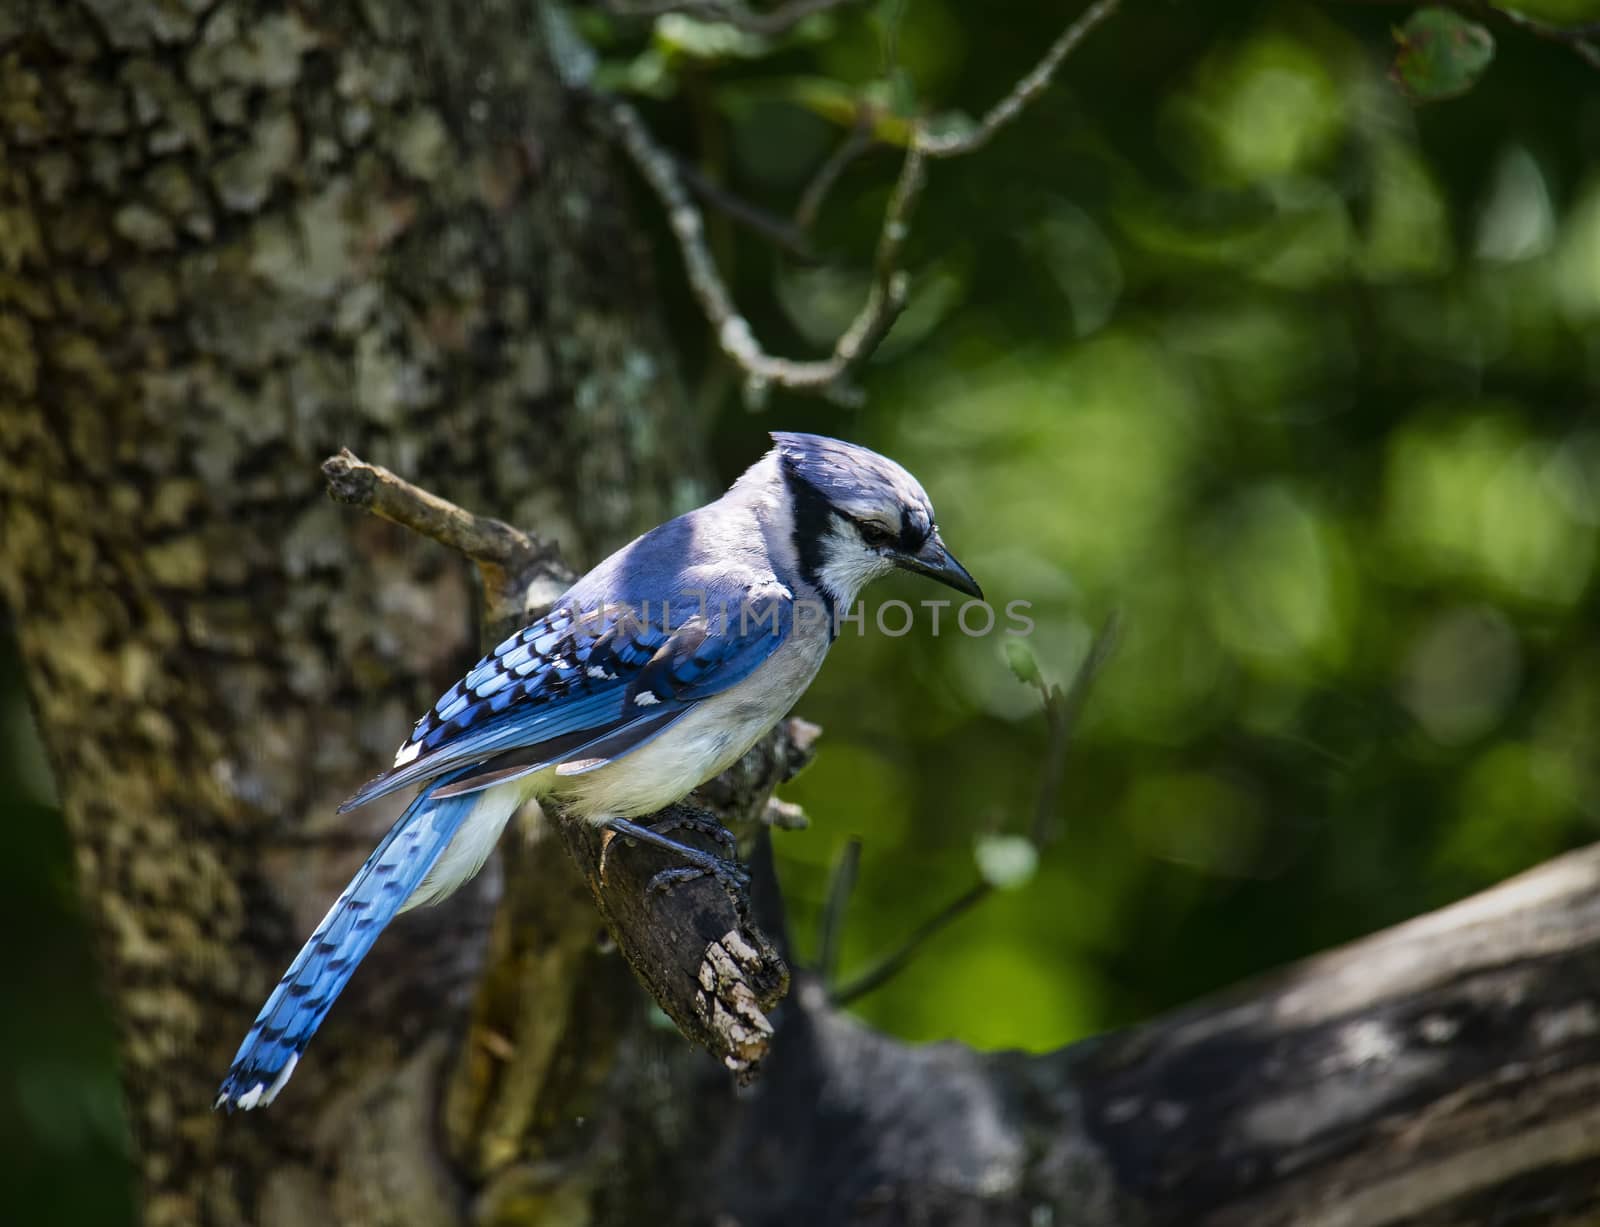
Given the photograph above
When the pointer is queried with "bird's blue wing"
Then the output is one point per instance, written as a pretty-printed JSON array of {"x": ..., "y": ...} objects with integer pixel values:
[{"x": 574, "y": 683}]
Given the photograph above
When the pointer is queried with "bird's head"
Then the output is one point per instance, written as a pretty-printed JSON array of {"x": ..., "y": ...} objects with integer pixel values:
[{"x": 859, "y": 516}]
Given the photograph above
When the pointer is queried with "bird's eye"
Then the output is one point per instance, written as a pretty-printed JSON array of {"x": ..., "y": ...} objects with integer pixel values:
[{"x": 875, "y": 535}]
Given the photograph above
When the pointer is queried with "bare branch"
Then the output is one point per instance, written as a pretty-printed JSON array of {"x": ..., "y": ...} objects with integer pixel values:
[
  {"x": 1062, "y": 708},
  {"x": 769, "y": 23},
  {"x": 733, "y": 332},
  {"x": 781, "y": 232},
  {"x": 886, "y": 969},
  {"x": 1024, "y": 92},
  {"x": 694, "y": 946},
  {"x": 511, "y": 563},
  {"x": 841, "y": 883},
  {"x": 886, "y": 297},
  {"x": 375, "y": 489},
  {"x": 1580, "y": 38},
  {"x": 1440, "y": 1072},
  {"x": 857, "y": 143}
]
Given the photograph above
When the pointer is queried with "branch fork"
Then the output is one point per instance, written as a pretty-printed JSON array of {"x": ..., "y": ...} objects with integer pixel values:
[{"x": 890, "y": 289}]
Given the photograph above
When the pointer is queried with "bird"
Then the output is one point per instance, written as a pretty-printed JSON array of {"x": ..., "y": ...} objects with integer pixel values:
[{"x": 652, "y": 674}]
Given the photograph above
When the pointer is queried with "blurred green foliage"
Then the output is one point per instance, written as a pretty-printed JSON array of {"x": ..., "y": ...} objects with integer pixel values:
[
  {"x": 1225, "y": 335},
  {"x": 62, "y": 1132},
  {"x": 1228, "y": 335}
]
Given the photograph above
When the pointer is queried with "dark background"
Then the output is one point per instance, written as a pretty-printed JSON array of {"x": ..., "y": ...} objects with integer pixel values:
[{"x": 1226, "y": 335}]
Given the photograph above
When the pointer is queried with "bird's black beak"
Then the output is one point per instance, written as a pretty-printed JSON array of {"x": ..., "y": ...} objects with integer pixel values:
[{"x": 936, "y": 562}]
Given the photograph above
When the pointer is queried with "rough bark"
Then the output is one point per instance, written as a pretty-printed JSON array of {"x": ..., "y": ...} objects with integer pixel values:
[
  {"x": 1441, "y": 1072},
  {"x": 235, "y": 236}
]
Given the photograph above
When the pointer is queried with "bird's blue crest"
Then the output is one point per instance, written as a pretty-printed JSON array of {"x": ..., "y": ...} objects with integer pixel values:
[{"x": 857, "y": 481}]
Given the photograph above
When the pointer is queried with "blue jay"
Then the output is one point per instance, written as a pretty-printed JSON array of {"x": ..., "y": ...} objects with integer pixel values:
[{"x": 656, "y": 671}]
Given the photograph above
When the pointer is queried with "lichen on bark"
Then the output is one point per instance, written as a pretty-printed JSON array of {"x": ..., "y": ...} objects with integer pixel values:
[{"x": 234, "y": 236}]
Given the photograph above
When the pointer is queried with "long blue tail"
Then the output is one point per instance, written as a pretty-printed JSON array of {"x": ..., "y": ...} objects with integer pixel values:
[{"x": 326, "y": 962}]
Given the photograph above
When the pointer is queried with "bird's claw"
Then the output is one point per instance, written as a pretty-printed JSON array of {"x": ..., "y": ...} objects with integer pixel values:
[
  {"x": 728, "y": 875},
  {"x": 700, "y": 824},
  {"x": 726, "y": 870}
]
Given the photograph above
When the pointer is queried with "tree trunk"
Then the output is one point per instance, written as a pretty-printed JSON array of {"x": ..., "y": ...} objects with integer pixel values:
[{"x": 235, "y": 236}]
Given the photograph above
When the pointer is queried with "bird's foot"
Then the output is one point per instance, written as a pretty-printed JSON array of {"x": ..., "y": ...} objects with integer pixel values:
[
  {"x": 733, "y": 879},
  {"x": 700, "y": 824},
  {"x": 726, "y": 871}
]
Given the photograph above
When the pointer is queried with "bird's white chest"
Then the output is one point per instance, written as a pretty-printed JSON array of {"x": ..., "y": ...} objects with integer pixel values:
[{"x": 706, "y": 741}]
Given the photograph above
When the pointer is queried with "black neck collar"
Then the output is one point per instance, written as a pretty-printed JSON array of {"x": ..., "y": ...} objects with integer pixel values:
[{"x": 813, "y": 519}]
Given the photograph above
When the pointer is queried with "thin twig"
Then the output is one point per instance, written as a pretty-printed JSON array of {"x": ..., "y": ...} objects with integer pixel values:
[
  {"x": 852, "y": 147},
  {"x": 886, "y": 969},
  {"x": 1578, "y": 38},
  {"x": 841, "y": 883},
  {"x": 772, "y": 22},
  {"x": 886, "y": 297},
  {"x": 1024, "y": 92},
  {"x": 734, "y": 336},
  {"x": 780, "y": 231},
  {"x": 1062, "y": 708}
]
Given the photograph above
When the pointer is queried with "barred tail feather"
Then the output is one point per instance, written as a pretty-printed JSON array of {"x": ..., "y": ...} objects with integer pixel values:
[
  {"x": 470, "y": 848},
  {"x": 416, "y": 844}
]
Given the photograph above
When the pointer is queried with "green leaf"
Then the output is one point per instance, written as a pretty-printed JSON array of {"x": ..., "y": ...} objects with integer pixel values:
[
  {"x": 1005, "y": 862},
  {"x": 649, "y": 73},
  {"x": 1440, "y": 54},
  {"x": 707, "y": 40},
  {"x": 1022, "y": 661}
]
